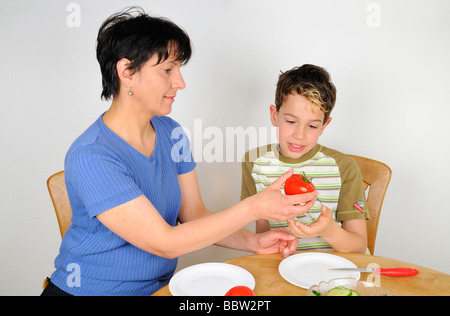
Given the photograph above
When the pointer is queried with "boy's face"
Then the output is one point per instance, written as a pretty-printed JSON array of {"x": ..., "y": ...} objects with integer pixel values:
[{"x": 300, "y": 124}]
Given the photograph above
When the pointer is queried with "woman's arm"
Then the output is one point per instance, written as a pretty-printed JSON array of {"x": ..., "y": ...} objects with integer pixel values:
[
  {"x": 139, "y": 223},
  {"x": 262, "y": 226},
  {"x": 192, "y": 208}
]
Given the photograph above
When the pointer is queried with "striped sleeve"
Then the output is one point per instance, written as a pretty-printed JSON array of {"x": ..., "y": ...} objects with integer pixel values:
[
  {"x": 249, "y": 184},
  {"x": 352, "y": 188}
]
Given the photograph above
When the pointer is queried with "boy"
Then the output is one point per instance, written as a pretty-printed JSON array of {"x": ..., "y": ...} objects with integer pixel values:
[{"x": 305, "y": 97}]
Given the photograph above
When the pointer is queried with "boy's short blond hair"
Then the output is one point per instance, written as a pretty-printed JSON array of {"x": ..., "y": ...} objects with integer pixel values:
[{"x": 311, "y": 81}]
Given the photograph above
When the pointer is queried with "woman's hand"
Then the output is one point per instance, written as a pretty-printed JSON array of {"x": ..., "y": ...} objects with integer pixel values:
[
  {"x": 276, "y": 241},
  {"x": 271, "y": 204}
]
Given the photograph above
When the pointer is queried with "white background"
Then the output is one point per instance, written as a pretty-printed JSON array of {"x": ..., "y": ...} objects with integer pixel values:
[{"x": 392, "y": 75}]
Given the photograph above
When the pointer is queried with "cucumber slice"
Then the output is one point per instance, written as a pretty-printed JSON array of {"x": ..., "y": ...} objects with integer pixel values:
[
  {"x": 339, "y": 291},
  {"x": 342, "y": 291}
]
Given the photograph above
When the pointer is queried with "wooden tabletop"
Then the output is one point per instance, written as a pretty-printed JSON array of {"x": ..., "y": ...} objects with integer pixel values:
[{"x": 269, "y": 282}]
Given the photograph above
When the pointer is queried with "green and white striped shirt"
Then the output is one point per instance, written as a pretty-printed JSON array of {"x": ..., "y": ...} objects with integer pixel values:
[{"x": 336, "y": 177}]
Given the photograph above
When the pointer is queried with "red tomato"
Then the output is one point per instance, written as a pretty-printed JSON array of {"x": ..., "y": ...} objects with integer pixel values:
[
  {"x": 298, "y": 184},
  {"x": 240, "y": 291}
]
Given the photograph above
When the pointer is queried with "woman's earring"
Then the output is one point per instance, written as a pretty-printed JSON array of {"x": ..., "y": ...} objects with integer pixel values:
[{"x": 129, "y": 91}]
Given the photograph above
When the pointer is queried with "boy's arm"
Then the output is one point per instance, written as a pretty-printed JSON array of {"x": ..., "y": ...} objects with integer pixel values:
[
  {"x": 352, "y": 237},
  {"x": 352, "y": 192}
]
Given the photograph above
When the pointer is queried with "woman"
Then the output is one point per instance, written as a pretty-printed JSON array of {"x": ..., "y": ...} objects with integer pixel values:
[{"x": 127, "y": 190}]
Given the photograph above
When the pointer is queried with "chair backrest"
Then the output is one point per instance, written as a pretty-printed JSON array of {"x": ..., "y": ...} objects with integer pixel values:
[
  {"x": 376, "y": 177},
  {"x": 58, "y": 192}
]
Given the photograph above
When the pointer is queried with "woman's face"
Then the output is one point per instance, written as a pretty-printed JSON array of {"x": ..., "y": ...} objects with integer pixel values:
[{"x": 155, "y": 86}]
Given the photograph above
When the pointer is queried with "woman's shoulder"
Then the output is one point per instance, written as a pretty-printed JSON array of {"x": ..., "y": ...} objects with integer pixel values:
[
  {"x": 88, "y": 137},
  {"x": 90, "y": 145}
]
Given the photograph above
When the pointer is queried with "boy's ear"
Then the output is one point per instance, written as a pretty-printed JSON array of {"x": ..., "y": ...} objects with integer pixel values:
[
  {"x": 273, "y": 115},
  {"x": 326, "y": 124}
]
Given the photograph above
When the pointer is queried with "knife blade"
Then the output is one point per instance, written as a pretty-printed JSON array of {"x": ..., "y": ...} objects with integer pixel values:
[{"x": 394, "y": 272}]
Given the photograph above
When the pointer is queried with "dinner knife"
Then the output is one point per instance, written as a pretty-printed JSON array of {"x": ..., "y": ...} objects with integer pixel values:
[{"x": 394, "y": 272}]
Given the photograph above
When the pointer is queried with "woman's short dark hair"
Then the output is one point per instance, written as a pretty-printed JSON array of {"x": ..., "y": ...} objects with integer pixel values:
[{"x": 134, "y": 35}]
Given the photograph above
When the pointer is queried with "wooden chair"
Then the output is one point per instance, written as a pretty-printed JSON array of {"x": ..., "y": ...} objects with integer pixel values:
[
  {"x": 376, "y": 176},
  {"x": 58, "y": 192}
]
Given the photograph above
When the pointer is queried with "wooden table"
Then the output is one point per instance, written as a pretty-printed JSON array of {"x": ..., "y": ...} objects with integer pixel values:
[{"x": 269, "y": 282}]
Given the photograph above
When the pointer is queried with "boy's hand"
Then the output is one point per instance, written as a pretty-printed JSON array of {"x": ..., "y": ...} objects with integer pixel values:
[
  {"x": 271, "y": 204},
  {"x": 320, "y": 227}
]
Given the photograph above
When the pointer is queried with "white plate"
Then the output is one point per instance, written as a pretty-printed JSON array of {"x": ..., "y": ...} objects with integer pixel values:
[
  {"x": 209, "y": 279},
  {"x": 308, "y": 269}
]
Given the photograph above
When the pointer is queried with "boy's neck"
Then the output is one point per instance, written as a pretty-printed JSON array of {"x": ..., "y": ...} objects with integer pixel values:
[{"x": 310, "y": 154}]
